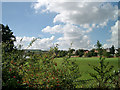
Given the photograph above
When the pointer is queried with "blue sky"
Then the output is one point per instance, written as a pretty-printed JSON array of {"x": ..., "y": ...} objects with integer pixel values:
[
  {"x": 25, "y": 22},
  {"x": 22, "y": 19}
]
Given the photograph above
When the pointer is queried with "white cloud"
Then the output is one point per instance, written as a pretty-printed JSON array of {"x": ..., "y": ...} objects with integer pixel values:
[
  {"x": 85, "y": 15},
  {"x": 23, "y": 41},
  {"x": 53, "y": 30},
  {"x": 43, "y": 44},
  {"x": 79, "y": 13},
  {"x": 71, "y": 34},
  {"x": 114, "y": 36}
]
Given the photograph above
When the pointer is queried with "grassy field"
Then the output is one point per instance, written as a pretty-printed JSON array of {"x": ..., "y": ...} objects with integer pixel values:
[{"x": 85, "y": 68}]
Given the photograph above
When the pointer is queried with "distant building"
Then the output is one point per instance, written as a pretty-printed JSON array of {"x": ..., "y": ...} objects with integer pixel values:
[
  {"x": 73, "y": 52},
  {"x": 108, "y": 50},
  {"x": 86, "y": 51},
  {"x": 116, "y": 50},
  {"x": 96, "y": 51}
]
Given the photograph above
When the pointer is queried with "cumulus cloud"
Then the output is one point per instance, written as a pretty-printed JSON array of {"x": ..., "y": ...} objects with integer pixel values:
[
  {"x": 71, "y": 34},
  {"x": 115, "y": 32},
  {"x": 78, "y": 18},
  {"x": 43, "y": 44},
  {"x": 53, "y": 30},
  {"x": 24, "y": 41},
  {"x": 80, "y": 12}
]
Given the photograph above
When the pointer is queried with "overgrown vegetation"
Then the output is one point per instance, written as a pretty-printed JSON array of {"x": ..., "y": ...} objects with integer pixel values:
[
  {"x": 42, "y": 72},
  {"x": 105, "y": 76}
]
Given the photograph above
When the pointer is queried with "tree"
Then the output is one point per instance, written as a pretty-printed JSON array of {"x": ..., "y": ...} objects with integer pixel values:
[
  {"x": 62, "y": 53},
  {"x": 93, "y": 53},
  {"x": 104, "y": 74},
  {"x": 89, "y": 54},
  {"x": 112, "y": 50},
  {"x": 71, "y": 50},
  {"x": 99, "y": 48},
  {"x": 106, "y": 54},
  {"x": 0, "y": 33},
  {"x": 7, "y": 38},
  {"x": 79, "y": 52}
]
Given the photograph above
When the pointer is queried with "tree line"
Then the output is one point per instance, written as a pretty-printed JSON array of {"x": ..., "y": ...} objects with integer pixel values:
[{"x": 9, "y": 39}]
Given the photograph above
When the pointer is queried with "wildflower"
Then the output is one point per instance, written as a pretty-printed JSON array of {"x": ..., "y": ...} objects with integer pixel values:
[
  {"x": 14, "y": 76},
  {"x": 10, "y": 69},
  {"x": 36, "y": 74},
  {"x": 48, "y": 81},
  {"x": 57, "y": 81},
  {"x": 44, "y": 80},
  {"x": 12, "y": 62},
  {"x": 18, "y": 82},
  {"x": 53, "y": 77},
  {"x": 57, "y": 84},
  {"x": 27, "y": 82},
  {"x": 15, "y": 63},
  {"x": 51, "y": 86},
  {"x": 55, "y": 64},
  {"x": 32, "y": 75}
]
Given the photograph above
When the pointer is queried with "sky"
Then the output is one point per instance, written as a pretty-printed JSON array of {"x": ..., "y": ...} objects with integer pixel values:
[{"x": 62, "y": 23}]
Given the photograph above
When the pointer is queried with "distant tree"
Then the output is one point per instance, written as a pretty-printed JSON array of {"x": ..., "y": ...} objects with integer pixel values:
[
  {"x": 0, "y": 33},
  {"x": 79, "y": 52},
  {"x": 112, "y": 50},
  {"x": 71, "y": 50},
  {"x": 106, "y": 54},
  {"x": 99, "y": 47},
  {"x": 62, "y": 53},
  {"x": 7, "y": 37},
  {"x": 119, "y": 51},
  {"x": 89, "y": 54},
  {"x": 93, "y": 53},
  {"x": 56, "y": 50}
]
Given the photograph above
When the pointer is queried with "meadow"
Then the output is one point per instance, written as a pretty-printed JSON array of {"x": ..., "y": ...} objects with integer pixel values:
[
  {"x": 47, "y": 71},
  {"x": 84, "y": 68},
  {"x": 85, "y": 80}
]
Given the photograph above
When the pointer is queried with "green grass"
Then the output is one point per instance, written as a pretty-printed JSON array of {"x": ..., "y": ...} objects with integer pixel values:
[{"x": 85, "y": 68}]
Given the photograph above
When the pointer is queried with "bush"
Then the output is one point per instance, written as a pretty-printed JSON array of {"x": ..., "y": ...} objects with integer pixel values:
[
  {"x": 89, "y": 54},
  {"x": 11, "y": 78},
  {"x": 37, "y": 71},
  {"x": 105, "y": 76},
  {"x": 43, "y": 72}
]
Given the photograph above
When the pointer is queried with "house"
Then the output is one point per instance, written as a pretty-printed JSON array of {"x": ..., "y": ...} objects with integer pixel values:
[
  {"x": 116, "y": 50},
  {"x": 96, "y": 51},
  {"x": 86, "y": 51},
  {"x": 73, "y": 52},
  {"x": 108, "y": 50}
]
